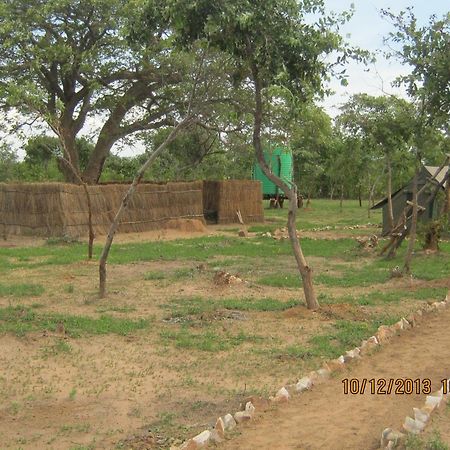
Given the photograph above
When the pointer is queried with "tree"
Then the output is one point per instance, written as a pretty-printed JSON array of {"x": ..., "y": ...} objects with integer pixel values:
[
  {"x": 384, "y": 124},
  {"x": 70, "y": 62},
  {"x": 8, "y": 159},
  {"x": 273, "y": 45},
  {"x": 427, "y": 50}
]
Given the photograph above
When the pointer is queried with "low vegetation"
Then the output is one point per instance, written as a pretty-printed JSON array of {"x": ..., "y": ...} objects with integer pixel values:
[{"x": 182, "y": 346}]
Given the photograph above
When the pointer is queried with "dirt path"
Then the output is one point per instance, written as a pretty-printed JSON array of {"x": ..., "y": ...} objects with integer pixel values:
[{"x": 325, "y": 418}]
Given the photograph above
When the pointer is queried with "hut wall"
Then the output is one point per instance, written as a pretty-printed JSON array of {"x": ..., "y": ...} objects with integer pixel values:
[
  {"x": 55, "y": 209},
  {"x": 222, "y": 200}
]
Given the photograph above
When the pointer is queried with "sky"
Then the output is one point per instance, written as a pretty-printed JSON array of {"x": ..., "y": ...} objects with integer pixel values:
[{"x": 367, "y": 29}]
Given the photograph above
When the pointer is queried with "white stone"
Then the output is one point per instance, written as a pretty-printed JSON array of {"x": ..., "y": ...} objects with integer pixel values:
[
  {"x": 242, "y": 416},
  {"x": 413, "y": 426},
  {"x": 282, "y": 394},
  {"x": 433, "y": 402},
  {"x": 249, "y": 408},
  {"x": 202, "y": 439},
  {"x": 421, "y": 415},
  {"x": 323, "y": 373},
  {"x": 304, "y": 384},
  {"x": 229, "y": 422}
]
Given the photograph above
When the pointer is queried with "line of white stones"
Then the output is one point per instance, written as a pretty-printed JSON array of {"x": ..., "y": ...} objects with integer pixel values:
[
  {"x": 393, "y": 438},
  {"x": 390, "y": 438}
]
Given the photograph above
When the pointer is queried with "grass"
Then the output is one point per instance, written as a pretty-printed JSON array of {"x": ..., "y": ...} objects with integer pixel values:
[
  {"x": 208, "y": 341},
  {"x": 21, "y": 320},
  {"x": 386, "y": 297},
  {"x": 434, "y": 442},
  {"x": 21, "y": 290},
  {"x": 345, "y": 335},
  {"x": 189, "y": 306}
]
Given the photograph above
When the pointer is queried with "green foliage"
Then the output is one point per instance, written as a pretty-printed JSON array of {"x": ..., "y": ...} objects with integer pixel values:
[
  {"x": 426, "y": 50},
  {"x": 8, "y": 160}
]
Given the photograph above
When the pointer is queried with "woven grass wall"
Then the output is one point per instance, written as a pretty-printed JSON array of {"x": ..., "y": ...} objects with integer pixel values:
[
  {"x": 222, "y": 199},
  {"x": 56, "y": 209}
]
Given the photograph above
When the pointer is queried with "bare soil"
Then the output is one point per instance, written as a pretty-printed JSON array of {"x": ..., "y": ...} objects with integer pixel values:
[
  {"x": 138, "y": 390},
  {"x": 326, "y": 418}
]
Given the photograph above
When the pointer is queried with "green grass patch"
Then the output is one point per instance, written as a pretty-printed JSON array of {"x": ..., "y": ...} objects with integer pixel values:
[
  {"x": 21, "y": 290},
  {"x": 208, "y": 341},
  {"x": 191, "y": 306},
  {"x": 155, "y": 275},
  {"x": 433, "y": 442},
  {"x": 345, "y": 335},
  {"x": 281, "y": 280},
  {"x": 20, "y": 320}
]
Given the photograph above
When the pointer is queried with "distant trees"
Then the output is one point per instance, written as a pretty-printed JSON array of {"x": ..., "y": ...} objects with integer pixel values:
[{"x": 8, "y": 160}]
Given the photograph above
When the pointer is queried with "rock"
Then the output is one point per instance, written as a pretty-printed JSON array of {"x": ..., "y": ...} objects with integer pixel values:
[
  {"x": 249, "y": 409},
  {"x": 202, "y": 439},
  {"x": 281, "y": 396},
  {"x": 229, "y": 422},
  {"x": 352, "y": 354},
  {"x": 216, "y": 437},
  {"x": 219, "y": 428},
  {"x": 406, "y": 324},
  {"x": 421, "y": 415},
  {"x": 368, "y": 345},
  {"x": 189, "y": 445},
  {"x": 412, "y": 320},
  {"x": 243, "y": 233},
  {"x": 433, "y": 402},
  {"x": 242, "y": 416},
  {"x": 335, "y": 364},
  {"x": 304, "y": 384},
  {"x": 389, "y": 435},
  {"x": 324, "y": 373},
  {"x": 384, "y": 333},
  {"x": 413, "y": 426},
  {"x": 260, "y": 403}
]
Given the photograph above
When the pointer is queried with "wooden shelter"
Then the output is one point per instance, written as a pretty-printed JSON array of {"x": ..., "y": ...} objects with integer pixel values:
[
  {"x": 58, "y": 209},
  {"x": 404, "y": 194},
  {"x": 222, "y": 200}
]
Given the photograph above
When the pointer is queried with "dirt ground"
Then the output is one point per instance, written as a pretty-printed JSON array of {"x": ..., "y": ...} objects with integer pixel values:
[
  {"x": 132, "y": 391},
  {"x": 326, "y": 418}
]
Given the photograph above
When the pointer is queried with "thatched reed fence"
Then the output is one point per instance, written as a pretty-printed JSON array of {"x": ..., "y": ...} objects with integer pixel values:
[
  {"x": 57, "y": 209},
  {"x": 222, "y": 200}
]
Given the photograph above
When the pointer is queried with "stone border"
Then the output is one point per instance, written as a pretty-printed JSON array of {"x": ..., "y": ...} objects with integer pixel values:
[
  {"x": 393, "y": 438},
  {"x": 390, "y": 438}
]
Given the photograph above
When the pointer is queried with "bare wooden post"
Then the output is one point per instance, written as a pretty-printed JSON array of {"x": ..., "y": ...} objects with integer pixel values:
[
  {"x": 126, "y": 199},
  {"x": 413, "y": 229}
]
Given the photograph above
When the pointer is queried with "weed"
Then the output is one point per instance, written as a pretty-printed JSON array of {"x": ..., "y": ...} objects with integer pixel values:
[
  {"x": 69, "y": 289},
  {"x": 72, "y": 393},
  {"x": 156, "y": 275}
]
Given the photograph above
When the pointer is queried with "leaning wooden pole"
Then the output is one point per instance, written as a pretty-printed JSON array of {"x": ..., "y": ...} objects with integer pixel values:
[{"x": 126, "y": 199}]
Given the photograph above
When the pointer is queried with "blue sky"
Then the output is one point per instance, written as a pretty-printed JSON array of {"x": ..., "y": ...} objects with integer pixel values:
[{"x": 367, "y": 29}]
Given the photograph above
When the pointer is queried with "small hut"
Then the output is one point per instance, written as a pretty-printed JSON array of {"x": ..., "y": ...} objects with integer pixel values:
[
  {"x": 223, "y": 200},
  {"x": 404, "y": 194}
]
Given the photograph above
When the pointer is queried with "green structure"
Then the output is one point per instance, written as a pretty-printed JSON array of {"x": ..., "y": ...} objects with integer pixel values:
[{"x": 280, "y": 162}]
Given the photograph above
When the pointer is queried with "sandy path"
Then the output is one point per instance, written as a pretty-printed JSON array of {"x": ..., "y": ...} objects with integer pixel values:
[{"x": 325, "y": 418}]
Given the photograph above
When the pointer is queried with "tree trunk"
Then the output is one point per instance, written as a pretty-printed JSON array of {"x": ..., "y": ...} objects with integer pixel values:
[
  {"x": 446, "y": 207},
  {"x": 389, "y": 193},
  {"x": 359, "y": 195},
  {"x": 70, "y": 164},
  {"x": 126, "y": 199},
  {"x": 341, "y": 200},
  {"x": 413, "y": 229},
  {"x": 290, "y": 191}
]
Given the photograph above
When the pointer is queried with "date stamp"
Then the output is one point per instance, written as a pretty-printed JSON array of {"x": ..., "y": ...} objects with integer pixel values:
[{"x": 387, "y": 386}]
